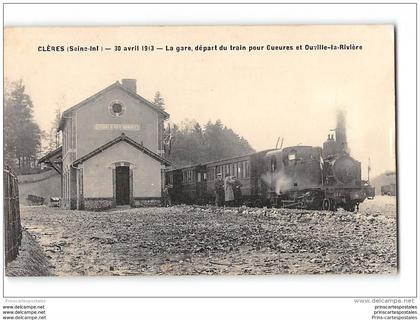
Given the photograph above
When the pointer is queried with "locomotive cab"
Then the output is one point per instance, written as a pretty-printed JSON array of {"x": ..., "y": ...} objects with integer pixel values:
[{"x": 292, "y": 172}]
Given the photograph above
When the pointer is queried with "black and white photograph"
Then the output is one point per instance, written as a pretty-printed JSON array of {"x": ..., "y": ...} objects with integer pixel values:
[{"x": 200, "y": 150}]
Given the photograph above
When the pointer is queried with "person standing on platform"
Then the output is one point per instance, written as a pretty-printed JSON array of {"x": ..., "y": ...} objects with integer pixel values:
[
  {"x": 219, "y": 190},
  {"x": 237, "y": 193},
  {"x": 229, "y": 197}
]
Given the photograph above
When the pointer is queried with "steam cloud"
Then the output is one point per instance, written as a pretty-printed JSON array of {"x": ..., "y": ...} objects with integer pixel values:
[{"x": 277, "y": 180}]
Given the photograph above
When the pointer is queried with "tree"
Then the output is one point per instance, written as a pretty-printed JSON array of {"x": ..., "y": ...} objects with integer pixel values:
[
  {"x": 192, "y": 144},
  {"x": 159, "y": 101},
  {"x": 22, "y": 136},
  {"x": 53, "y": 137}
]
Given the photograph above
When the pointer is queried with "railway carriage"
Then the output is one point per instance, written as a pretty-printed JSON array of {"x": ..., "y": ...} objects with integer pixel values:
[
  {"x": 247, "y": 169},
  {"x": 188, "y": 184}
]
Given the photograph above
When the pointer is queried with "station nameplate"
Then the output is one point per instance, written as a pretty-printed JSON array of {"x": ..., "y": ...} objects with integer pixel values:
[{"x": 117, "y": 126}]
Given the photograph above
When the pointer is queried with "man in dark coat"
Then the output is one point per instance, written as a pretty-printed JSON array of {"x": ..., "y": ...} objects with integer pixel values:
[
  {"x": 237, "y": 193},
  {"x": 219, "y": 190}
]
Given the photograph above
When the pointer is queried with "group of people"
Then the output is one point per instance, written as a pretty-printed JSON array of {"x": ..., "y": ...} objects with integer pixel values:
[{"x": 228, "y": 191}]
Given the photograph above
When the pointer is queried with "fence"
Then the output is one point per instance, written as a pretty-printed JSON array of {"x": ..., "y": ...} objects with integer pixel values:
[{"x": 12, "y": 226}]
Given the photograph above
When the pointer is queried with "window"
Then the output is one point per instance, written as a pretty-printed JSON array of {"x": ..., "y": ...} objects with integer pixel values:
[
  {"x": 246, "y": 165},
  {"x": 116, "y": 108},
  {"x": 273, "y": 164},
  {"x": 190, "y": 176},
  {"x": 240, "y": 170},
  {"x": 235, "y": 170}
]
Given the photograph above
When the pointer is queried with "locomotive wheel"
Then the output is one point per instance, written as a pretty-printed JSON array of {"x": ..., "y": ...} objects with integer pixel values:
[
  {"x": 351, "y": 207},
  {"x": 326, "y": 204},
  {"x": 258, "y": 203}
]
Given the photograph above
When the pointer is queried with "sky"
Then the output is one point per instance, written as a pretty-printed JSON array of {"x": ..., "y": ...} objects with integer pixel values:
[{"x": 260, "y": 94}]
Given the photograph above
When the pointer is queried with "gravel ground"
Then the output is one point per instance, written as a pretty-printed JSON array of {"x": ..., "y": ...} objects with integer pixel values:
[{"x": 190, "y": 240}]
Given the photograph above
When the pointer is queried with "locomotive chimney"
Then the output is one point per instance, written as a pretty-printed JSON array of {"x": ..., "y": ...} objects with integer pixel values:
[
  {"x": 130, "y": 84},
  {"x": 340, "y": 132}
]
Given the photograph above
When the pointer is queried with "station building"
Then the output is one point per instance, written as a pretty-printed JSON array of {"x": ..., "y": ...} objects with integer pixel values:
[{"x": 112, "y": 150}]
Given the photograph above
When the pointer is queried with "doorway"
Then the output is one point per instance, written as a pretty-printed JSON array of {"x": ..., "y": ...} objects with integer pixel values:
[{"x": 122, "y": 183}]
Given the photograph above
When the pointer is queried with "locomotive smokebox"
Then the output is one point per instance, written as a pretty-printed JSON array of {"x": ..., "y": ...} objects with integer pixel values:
[{"x": 347, "y": 170}]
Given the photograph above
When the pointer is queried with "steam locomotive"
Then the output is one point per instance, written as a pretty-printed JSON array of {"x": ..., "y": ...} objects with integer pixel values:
[{"x": 304, "y": 177}]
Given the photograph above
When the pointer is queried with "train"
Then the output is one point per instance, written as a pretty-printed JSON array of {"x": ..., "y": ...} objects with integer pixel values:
[{"x": 303, "y": 177}]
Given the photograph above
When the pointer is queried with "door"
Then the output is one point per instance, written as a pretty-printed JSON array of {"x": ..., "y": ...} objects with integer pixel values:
[
  {"x": 201, "y": 186},
  {"x": 122, "y": 186}
]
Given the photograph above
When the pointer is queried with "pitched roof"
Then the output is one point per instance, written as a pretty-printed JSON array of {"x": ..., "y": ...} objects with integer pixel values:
[
  {"x": 120, "y": 138},
  {"x": 54, "y": 154},
  {"x": 54, "y": 159},
  {"x": 116, "y": 84}
]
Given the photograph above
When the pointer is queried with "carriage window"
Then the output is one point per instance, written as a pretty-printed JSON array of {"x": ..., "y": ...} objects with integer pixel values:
[
  {"x": 235, "y": 169},
  {"x": 198, "y": 177},
  {"x": 205, "y": 176},
  {"x": 246, "y": 163},
  {"x": 273, "y": 164},
  {"x": 240, "y": 170}
]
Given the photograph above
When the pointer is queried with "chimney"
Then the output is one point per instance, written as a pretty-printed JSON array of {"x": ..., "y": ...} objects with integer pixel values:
[{"x": 130, "y": 84}]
